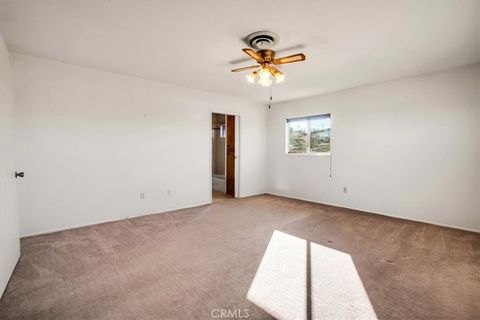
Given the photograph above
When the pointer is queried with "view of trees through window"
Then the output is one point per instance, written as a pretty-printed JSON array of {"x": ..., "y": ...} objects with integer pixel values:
[{"x": 309, "y": 134}]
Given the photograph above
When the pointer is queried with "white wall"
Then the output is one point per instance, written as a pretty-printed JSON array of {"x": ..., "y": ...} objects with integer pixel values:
[
  {"x": 9, "y": 237},
  {"x": 408, "y": 148},
  {"x": 90, "y": 142}
]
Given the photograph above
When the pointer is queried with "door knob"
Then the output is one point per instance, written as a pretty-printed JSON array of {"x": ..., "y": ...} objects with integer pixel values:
[{"x": 19, "y": 174}]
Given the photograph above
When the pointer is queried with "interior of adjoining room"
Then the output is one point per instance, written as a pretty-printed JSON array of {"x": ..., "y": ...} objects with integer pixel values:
[
  {"x": 219, "y": 134},
  {"x": 224, "y": 155}
]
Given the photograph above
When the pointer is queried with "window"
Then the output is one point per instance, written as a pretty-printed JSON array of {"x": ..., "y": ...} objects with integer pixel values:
[
  {"x": 223, "y": 131},
  {"x": 308, "y": 135}
]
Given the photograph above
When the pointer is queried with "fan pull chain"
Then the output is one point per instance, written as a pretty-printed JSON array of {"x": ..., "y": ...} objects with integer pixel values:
[
  {"x": 330, "y": 163},
  {"x": 270, "y": 97}
]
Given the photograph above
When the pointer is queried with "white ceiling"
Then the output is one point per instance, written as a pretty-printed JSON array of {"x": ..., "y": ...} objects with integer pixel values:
[{"x": 190, "y": 43}]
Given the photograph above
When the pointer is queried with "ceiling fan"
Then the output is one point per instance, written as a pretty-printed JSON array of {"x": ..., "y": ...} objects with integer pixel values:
[{"x": 266, "y": 68}]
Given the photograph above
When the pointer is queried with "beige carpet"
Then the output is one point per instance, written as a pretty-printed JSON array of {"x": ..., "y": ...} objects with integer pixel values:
[{"x": 249, "y": 258}]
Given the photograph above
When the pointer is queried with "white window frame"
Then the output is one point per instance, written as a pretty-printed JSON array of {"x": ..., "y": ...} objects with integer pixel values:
[{"x": 308, "y": 153}]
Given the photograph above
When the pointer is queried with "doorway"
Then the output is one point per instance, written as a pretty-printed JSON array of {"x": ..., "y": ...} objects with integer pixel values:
[{"x": 224, "y": 155}]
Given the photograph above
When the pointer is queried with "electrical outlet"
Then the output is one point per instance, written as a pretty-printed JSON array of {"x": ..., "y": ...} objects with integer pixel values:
[
  {"x": 142, "y": 195},
  {"x": 169, "y": 192},
  {"x": 344, "y": 189}
]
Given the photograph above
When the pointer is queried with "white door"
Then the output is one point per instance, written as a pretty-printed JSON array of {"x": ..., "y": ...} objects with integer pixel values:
[{"x": 9, "y": 237}]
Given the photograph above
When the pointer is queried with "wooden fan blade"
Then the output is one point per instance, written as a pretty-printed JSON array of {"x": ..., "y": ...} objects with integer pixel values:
[
  {"x": 244, "y": 68},
  {"x": 253, "y": 54},
  {"x": 290, "y": 59},
  {"x": 274, "y": 70}
]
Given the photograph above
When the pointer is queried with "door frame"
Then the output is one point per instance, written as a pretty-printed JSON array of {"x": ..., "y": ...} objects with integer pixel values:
[{"x": 237, "y": 149}]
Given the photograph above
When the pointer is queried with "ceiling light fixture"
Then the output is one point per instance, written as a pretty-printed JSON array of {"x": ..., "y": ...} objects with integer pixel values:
[
  {"x": 264, "y": 76},
  {"x": 251, "y": 77}
]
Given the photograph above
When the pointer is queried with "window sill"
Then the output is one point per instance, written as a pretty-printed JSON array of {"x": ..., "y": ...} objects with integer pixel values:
[{"x": 317, "y": 154}]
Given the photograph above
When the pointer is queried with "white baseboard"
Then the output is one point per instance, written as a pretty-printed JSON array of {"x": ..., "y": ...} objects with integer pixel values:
[
  {"x": 379, "y": 213},
  {"x": 246, "y": 196},
  {"x": 113, "y": 220}
]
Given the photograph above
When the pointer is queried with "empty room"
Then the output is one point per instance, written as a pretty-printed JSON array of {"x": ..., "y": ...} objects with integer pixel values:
[{"x": 290, "y": 160}]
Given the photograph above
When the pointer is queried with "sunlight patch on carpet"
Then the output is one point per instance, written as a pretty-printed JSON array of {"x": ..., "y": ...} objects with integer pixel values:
[{"x": 298, "y": 279}]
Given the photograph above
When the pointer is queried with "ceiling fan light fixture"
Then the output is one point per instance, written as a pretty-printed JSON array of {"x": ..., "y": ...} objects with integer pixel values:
[
  {"x": 279, "y": 78},
  {"x": 251, "y": 77},
  {"x": 264, "y": 77}
]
